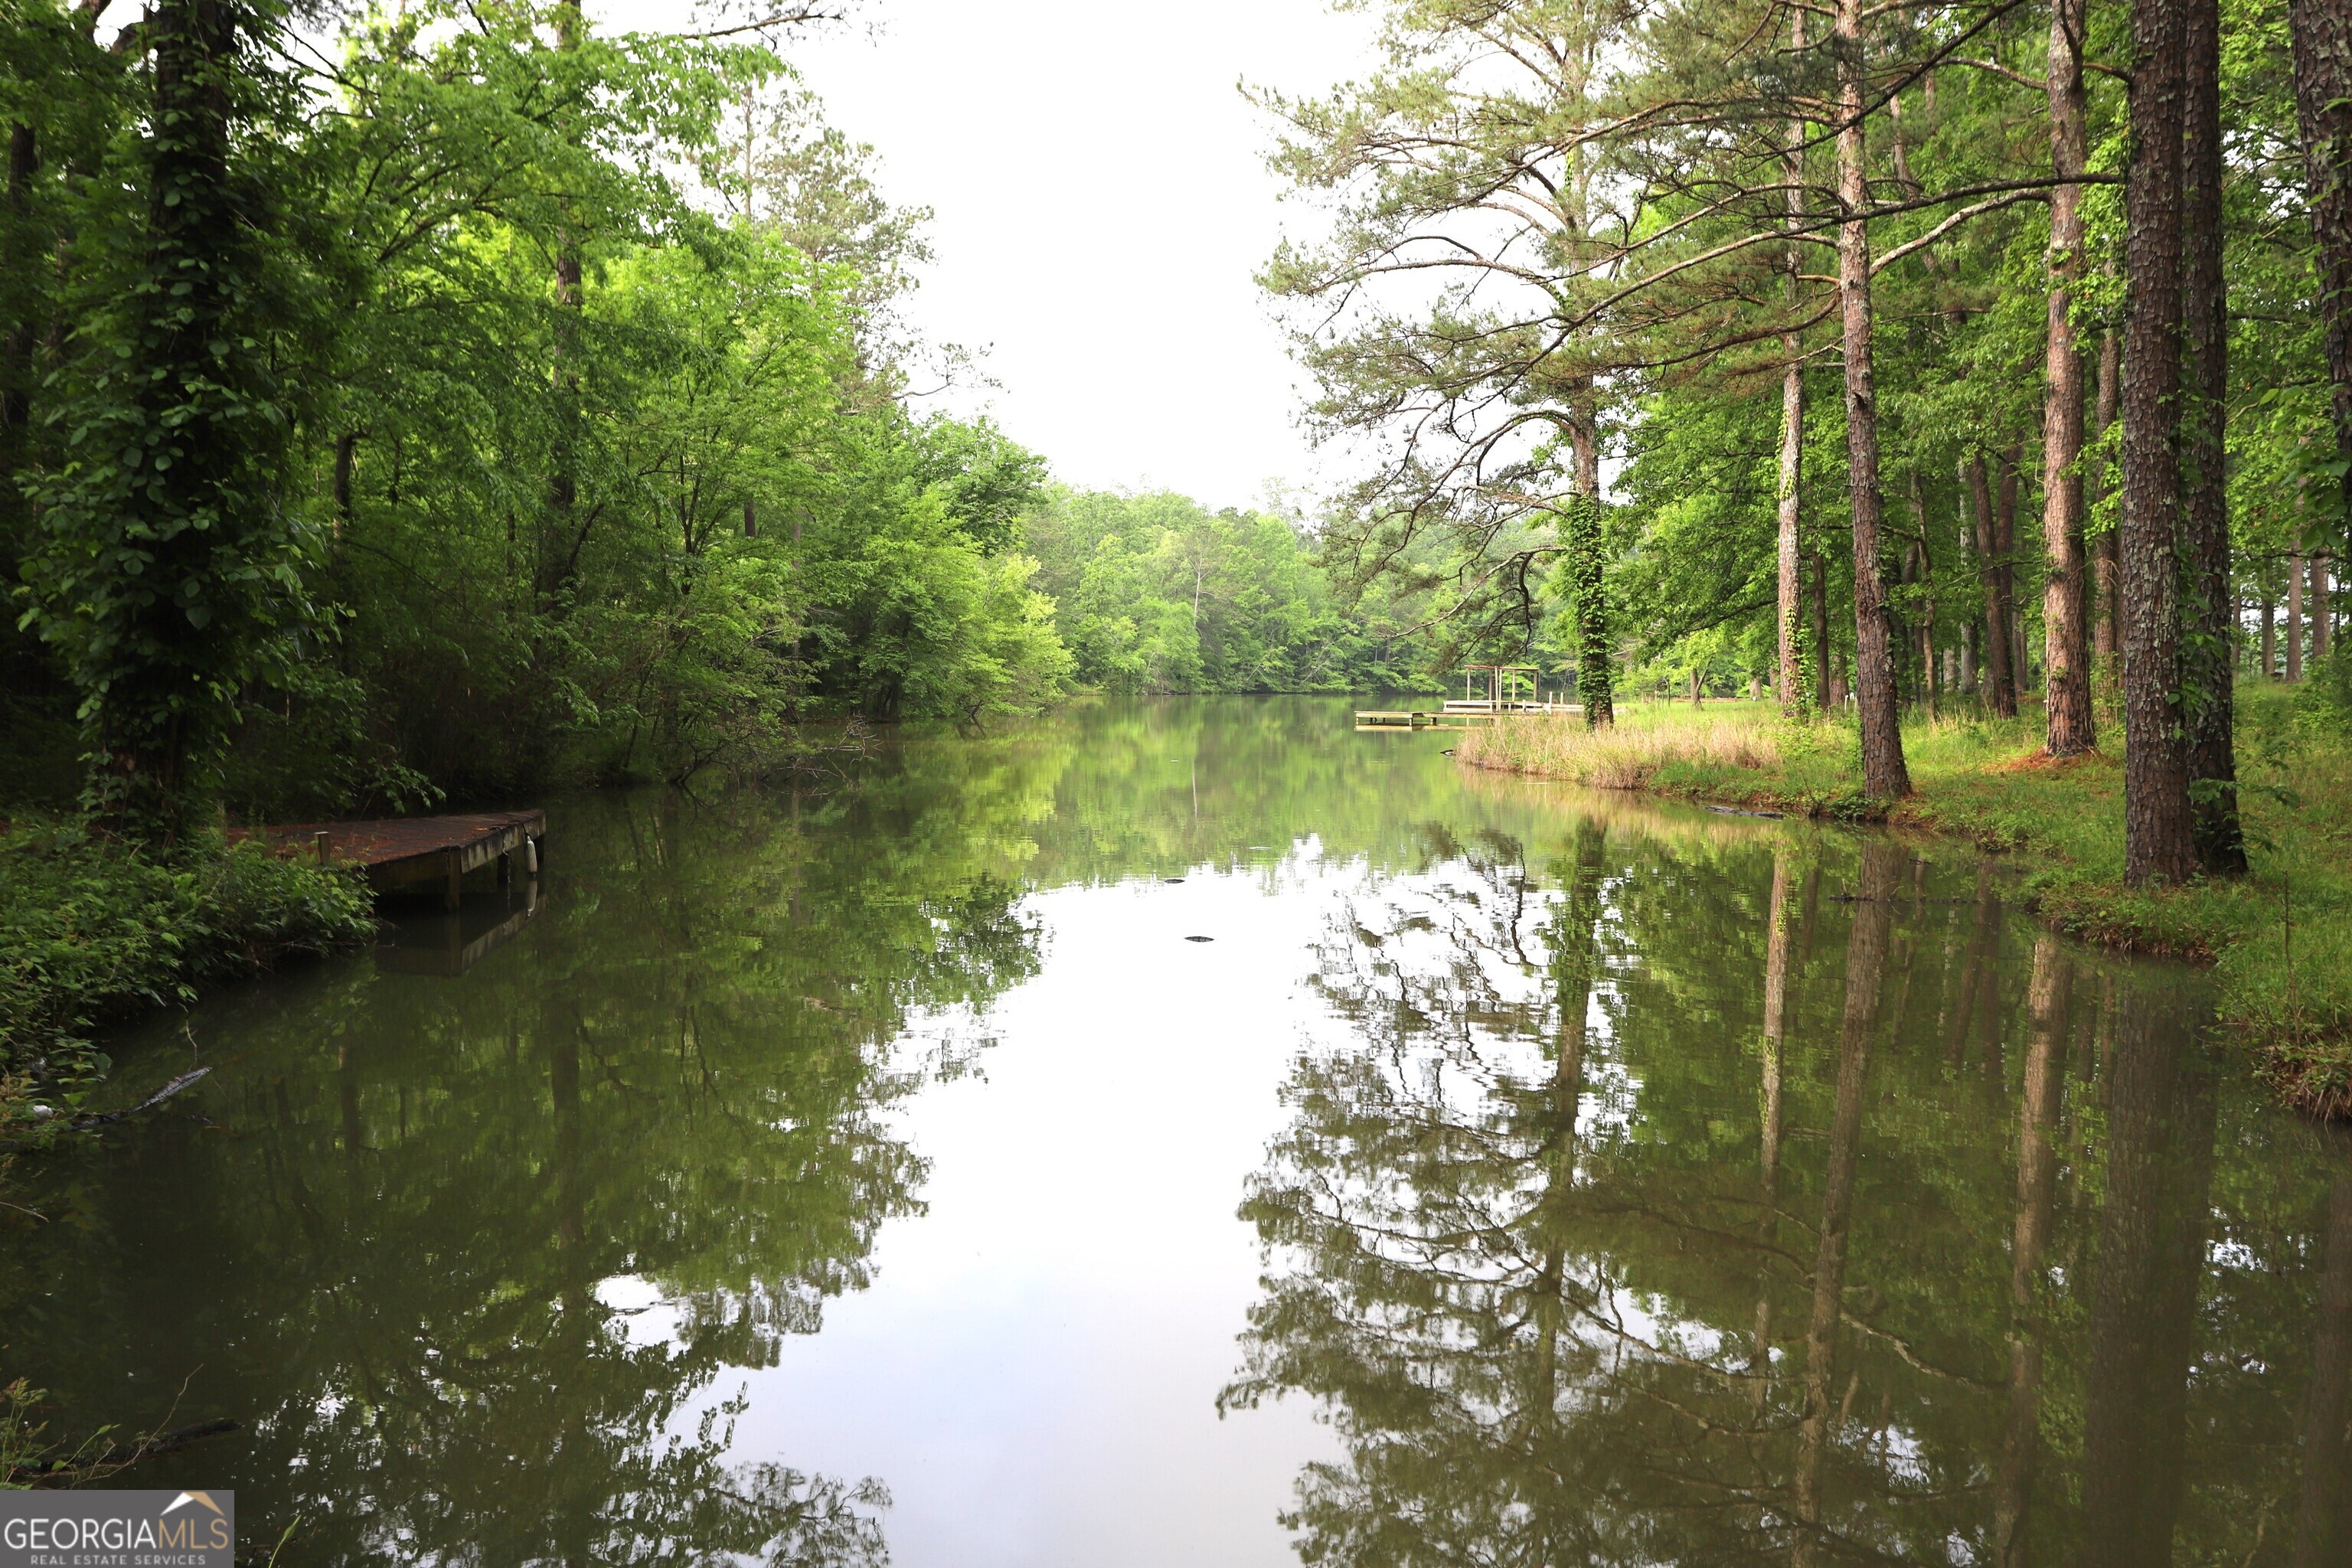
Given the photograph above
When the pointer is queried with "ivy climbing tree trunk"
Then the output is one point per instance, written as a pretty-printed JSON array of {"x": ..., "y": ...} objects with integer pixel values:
[
  {"x": 559, "y": 554},
  {"x": 2158, "y": 845},
  {"x": 2107, "y": 618},
  {"x": 167, "y": 561},
  {"x": 2000, "y": 677},
  {"x": 17, "y": 335},
  {"x": 2068, "y": 727},
  {"x": 2210, "y": 610},
  {"x": 1884, "y": 773},
  {"x": 1588, "y": 585}
]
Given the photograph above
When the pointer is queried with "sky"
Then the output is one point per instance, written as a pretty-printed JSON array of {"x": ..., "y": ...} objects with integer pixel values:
[{"x": 1102, "y": 205}]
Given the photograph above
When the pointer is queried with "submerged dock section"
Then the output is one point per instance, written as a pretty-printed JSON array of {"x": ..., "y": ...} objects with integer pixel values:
[{"x": 415, "y": 854}]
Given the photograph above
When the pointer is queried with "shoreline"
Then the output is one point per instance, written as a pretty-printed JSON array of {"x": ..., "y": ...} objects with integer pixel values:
[{"x": 2269, "y": 936}]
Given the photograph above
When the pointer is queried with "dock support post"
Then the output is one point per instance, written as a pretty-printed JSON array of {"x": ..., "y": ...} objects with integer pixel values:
[
  {"x": 506, "y": 870},
  {"x": 319, "y": 843},
  {"x": 456, "y": 896}
]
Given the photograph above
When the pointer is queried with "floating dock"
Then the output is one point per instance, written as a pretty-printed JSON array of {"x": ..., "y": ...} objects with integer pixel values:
[{"x": 407, "y": 854}]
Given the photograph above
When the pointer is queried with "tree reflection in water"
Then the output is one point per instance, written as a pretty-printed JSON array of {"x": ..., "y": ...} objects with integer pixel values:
[
  {"x": 470, "y": 1260},
  {"x": 1654, "y": 1201},
  {"x": 1677, "y": 1199}
]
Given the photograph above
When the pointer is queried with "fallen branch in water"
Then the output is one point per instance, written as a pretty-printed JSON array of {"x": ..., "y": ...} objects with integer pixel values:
[
  {"x": 83, "y": 1123},
  {"x": 69, "y": 1473},
  {"x": 185, "y": 1080}
]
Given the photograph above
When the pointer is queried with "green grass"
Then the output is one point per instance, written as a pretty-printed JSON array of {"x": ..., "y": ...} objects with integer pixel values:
[
  {"x": 21, "y": 1448},
  {"x": 92, "y": 929},
  {"x": 2281, "y": 938}
]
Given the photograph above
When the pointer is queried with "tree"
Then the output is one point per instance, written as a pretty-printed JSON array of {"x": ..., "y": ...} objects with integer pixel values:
[
  {"x": 168, "y": 556},
  {"x": 2158, "y": 843},
  {"x": 2322, "y": 50},
  {"x": 1884, "y": 773},
  {"x": 2069, "y": 725},
  {"x": 1788, "y": 518},
  {"x": 1490, "y": 380},
  {"x": 2210, "y": 605}
]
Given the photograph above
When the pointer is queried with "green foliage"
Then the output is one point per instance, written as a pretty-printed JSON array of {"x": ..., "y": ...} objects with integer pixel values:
[
  {"x": 473, "y": 453},
  {"x": 2323, "y": 707},
  {"x": 92, "y": 928},
  {"x": 167, "y": 558},
  {"x": 21, "y": 1448}
]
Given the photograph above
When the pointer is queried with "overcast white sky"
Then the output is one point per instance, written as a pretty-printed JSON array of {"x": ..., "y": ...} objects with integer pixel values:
[{"x": 1102, "y": 206}]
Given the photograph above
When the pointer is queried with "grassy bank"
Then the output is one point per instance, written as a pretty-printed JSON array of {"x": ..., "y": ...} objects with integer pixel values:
[
  {"x": 2281, "y": 938},
  {"x": 92, "y": 929}
]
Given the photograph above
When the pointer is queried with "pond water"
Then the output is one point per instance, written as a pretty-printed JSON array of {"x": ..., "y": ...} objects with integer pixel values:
[{"x": 886, "y": 1171}]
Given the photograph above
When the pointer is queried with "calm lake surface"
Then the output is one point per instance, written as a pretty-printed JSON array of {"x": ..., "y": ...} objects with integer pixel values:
[{"x": 1518, "y": 1176}]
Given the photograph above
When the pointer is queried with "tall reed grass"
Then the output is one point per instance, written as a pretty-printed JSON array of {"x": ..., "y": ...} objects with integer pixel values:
[{"x": 1629, "y": 754}]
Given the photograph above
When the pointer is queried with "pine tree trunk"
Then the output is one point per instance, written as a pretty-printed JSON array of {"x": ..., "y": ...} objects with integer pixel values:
[
  {"x": 2068, "y": 727},
  {"x": 1789, "y": 583},
  {"x": 1999, "y": 679},
  {"x": 2321, "y": 33},
  {"x": 2108, "y": 616},
  {"x": 1791, "y": 589},
  {"x": 2210, "y": 614},
  {"x": 1820, "y": 631},
  {"x": 2322, "y": 627},
  {"x": 2004, "y": 544},
  {"x": 2294, "y": 617},
  {"x": 2158, "y": 843},
  {"x": 1927, "y": 627},
  {"x": 1884, "y": 774}
]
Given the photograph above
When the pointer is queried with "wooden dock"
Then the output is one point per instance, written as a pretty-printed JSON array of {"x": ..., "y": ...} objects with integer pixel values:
[
  {"x": 413, "y": 853},
  {"x": 1457, "y": 714},
  {"x": 1414, "y": 719}
]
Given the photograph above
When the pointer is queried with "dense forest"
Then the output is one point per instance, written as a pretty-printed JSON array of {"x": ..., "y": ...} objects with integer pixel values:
[
  {"x": 1934, "y": 350},
  {"x": 442, "y": 402}
]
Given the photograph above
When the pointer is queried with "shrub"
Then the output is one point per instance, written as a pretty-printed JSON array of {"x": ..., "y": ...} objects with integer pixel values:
[{"x": 92, "y": 928}]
